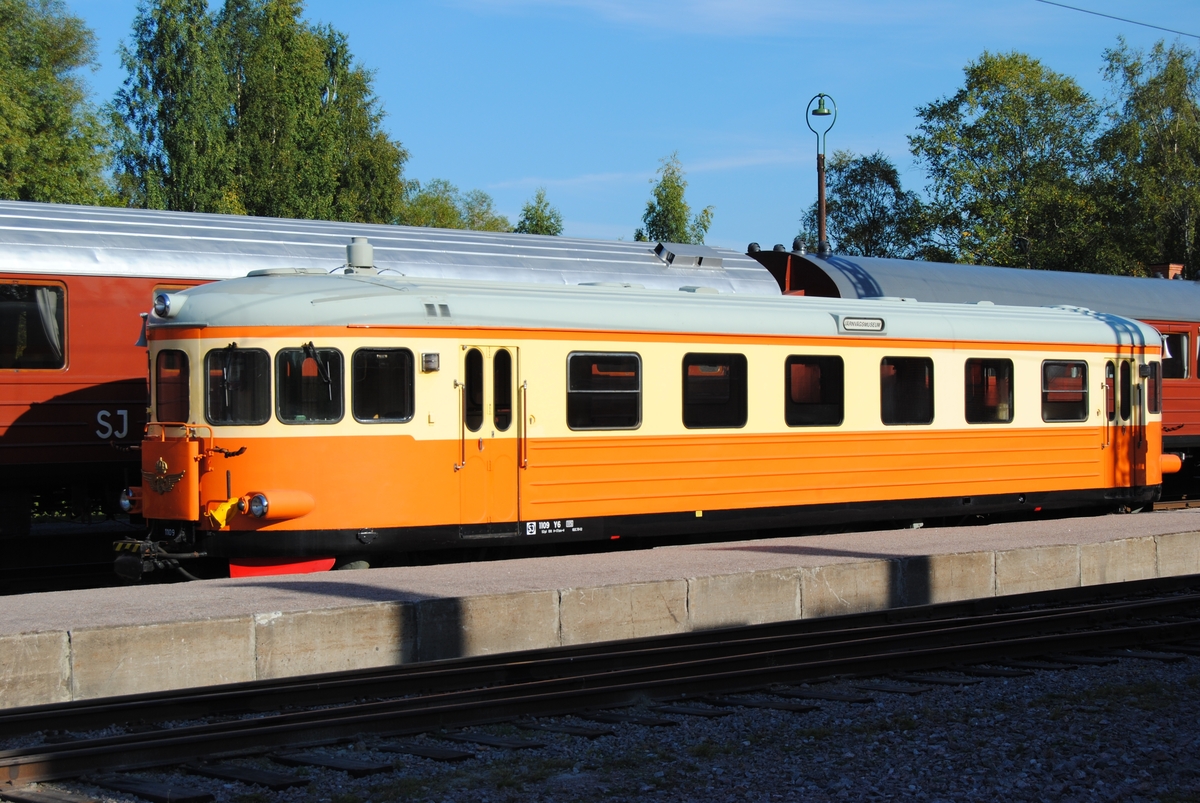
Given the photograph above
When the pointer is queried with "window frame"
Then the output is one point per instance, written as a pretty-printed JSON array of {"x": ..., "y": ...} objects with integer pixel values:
[
  {"x": 269, "y": 374},
  {"x": 968, "y": 387},
  {"x": 932, "y": 392},
  {"x": 341, "y": 386},
  {"x": 1083, "y": 390},
  {"x": 580, "y": 392},
  {"x": 739, "y": 393},
  {"x": 187, "y": 396},
  {"x": 410, "y": 378},
  {"x": 1182, "y": 355},
  {"x": 790, "y": 405},
  {"x": 1154, "y": 388},
  {"x": 63, "y": 333}
]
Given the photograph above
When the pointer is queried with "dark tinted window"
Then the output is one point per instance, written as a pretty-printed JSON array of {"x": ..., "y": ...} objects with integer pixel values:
[
  {"x": 1064, "y": 391},
  {"x": 989, "y": 391},
  {"x": 906, "y": 390},
  {"x": 1176, "y": 366},
  {"x": 239, "y": 386},
  {"x": 473, "y": 391},
  {"x": 604, "y": 391},
  {"x": 502, "y": 379},
  {"x": 308, "y": 385},
  {"x": 815, "y": 391},
  {"x": 1125, "y": 402},
  {"x": 1154, "y": 389},
  {"x": 31, "y": 326},
  {"x": 1110, "y": 391},
  {"x": 714, "y": 390},
  {"x": 382, "y": 385},
  {"x": 172, "y": 387}
]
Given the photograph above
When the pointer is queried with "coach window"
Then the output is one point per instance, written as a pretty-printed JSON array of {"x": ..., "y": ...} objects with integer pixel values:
[
  {"x": 1064, "y": 391},
  {"x": 815, "y": 391},
  {"x": 473, "y": 391},
  {"x": 989, "y": 392},
  {"x": 171, "y": 386},
  {"x": 502, "y": 394},
  {"x": 604, "y": 391},
  {"x": 239, "y": 386},
  {"x": 31, "y": 326},
  {"x": 381, "y": 382},
  {"x": 714, "y": 390},
  {"x": 906, "y": 390},
  {"x": 1176, "y": 366},
  {"x": 308, "y": 385},
  {"x": 1154, "y": 389},
  {"x": 1126, "y": 400},
  {"x": 1110, "y": 390}
]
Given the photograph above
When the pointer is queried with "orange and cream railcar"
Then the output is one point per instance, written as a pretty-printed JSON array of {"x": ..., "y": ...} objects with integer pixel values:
[{"x": 302, "y": 419}]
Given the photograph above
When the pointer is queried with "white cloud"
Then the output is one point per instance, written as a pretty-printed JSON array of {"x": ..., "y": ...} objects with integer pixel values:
[{"x": 762, "y": 158}]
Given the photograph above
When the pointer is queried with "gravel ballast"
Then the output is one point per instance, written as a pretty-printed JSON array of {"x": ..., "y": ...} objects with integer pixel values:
[{"x": 1129, "y": 731}]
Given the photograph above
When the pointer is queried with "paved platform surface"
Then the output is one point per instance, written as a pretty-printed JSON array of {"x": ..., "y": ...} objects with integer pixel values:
[{"x": 102, "y": 642}]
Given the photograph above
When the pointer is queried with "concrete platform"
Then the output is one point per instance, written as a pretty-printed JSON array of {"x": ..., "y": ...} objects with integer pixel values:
[{"x": 102, "y": 642}]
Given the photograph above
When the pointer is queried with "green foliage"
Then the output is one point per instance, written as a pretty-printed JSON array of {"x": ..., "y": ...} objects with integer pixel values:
[
  {"x": 440, "y": 204},
  {"x": 539, "y": 217},
  {"x": 251, "y": 110},
  {"x": 171, "y": 117},
  {"x": 51, "y": 139},
  {"x": 1011, "y": 160},
  {"x": 1153, "y": 152},
  {"x": 667, "y": 213},
  {"x": 868, "y": 212}
]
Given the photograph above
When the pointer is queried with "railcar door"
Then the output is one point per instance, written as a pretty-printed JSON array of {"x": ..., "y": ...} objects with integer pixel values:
[
  {"x": 1126, "y": 423},
  {"x": 487, "y": 467}
]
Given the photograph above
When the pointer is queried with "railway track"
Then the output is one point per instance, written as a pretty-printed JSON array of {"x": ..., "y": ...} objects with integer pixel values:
[{"x": 453, "y": 694}]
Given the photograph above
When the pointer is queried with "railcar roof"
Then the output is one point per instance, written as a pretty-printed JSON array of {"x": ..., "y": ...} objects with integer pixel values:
[
  {"x": 341, "y": 300},
  {"x": 1132, "y": 297},
  {"x": 105, "y": 241}
]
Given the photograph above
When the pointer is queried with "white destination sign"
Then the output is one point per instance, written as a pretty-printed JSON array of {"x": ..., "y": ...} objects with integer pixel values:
[{"x": 862, "y": 324}]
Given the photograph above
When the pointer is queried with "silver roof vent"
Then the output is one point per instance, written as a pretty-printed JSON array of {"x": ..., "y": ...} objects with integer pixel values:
[
  {"x": 360, "y": 256},
  {"x": 686, "y": 255}
]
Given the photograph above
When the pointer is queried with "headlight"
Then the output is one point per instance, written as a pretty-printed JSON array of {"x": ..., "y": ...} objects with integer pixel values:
[
  {"x": 162, "y": 305},
  {"x": 258, "y": 506},
  {"x": 126, "y": 502}
]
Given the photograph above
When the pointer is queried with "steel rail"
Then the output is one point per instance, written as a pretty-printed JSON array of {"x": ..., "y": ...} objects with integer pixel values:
[
  {"x": 409, "y": 679},
  {"x": 573, "y": 692}
]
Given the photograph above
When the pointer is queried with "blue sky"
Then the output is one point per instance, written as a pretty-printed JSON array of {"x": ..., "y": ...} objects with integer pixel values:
[{"x": 584, "y": 97}]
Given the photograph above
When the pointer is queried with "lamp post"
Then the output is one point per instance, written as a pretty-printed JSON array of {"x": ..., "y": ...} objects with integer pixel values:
[{"x": 821, "y": 112}]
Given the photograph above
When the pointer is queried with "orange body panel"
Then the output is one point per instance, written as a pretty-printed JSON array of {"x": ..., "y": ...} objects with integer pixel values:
[
  {"x": 395, "y": 481},
  {"x": 171, "y": 479}
]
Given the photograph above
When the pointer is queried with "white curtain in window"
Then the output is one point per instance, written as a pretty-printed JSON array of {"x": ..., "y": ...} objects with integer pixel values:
[{"x": 47, "y": 301}]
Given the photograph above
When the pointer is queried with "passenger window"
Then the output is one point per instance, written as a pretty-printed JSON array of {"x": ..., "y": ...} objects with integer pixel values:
[
  {"x": 31, "y": 326},
  {"x": 1126, "y": 399},
  {"x": 473, "y": 391},
  {"x": 989, "y": 398},
  {"x": 906, "y": 390},
  {"x": 381, "y": 385},
  {"x": 1110, "y": 390},
  {"x": 604, "y": 391},
  {"x": 172, "y": 387},
  {"x": 1064, "y": 391},
  {"x": 239, "y": 386},
  {"x": 1154, "y": 389},
  {"x": 815, "y": 391},
  {"x": 308, "y": 385},
  {"x": 502, "y": 389},
  {"x": 714, "y": 390},
  {"x": 1176, "y": 366}
]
